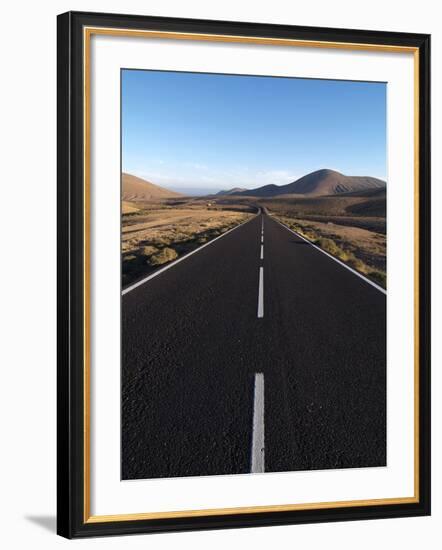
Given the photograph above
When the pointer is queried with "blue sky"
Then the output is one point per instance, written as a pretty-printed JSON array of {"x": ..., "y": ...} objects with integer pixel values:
[{"x": 210, "y": 132}]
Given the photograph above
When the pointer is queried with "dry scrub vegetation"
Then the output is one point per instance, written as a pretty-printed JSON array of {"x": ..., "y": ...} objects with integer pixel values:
[
  {"x": 158, "y": 233},
  {"x": 361, "y": 249}
]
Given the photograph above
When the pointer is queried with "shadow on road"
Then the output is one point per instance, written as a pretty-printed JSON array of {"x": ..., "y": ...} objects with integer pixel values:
[{"x": 300, "y": 242}]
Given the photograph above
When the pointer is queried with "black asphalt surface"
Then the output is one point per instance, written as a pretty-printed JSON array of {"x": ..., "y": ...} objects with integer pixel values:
[{"x": 192, "y": 343}]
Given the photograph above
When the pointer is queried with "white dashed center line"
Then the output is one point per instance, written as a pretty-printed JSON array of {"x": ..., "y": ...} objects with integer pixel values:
[
  {"x": 261, "y": 293},
  {"x": 257, "y": 465}
]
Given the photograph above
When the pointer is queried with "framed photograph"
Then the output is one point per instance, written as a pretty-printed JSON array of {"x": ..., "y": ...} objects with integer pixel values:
[{"x": 243, "y": 274}]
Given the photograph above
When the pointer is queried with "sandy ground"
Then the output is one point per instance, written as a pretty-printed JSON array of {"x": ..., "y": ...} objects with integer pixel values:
[
  {"x": 128, "y": 208},
  {"x": 368, "y": 246},
  {"x": 169, "y": 226},
  {"x": 357, "y": 236}
]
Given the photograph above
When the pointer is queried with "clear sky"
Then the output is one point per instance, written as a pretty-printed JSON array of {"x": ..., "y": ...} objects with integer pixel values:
[{"x": 210, "y": 132}]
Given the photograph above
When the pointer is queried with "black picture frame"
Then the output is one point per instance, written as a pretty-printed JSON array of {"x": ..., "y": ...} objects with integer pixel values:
[{"x": 72, "y": 393}]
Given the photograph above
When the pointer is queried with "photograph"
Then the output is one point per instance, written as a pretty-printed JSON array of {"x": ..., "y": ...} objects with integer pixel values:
[
  {"x": 243, "y": 273},
  {"x": 253, "y": 274}
]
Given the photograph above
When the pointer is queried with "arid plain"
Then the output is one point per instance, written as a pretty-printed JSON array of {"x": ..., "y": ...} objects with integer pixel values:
[{"x": 345, "y": 216}]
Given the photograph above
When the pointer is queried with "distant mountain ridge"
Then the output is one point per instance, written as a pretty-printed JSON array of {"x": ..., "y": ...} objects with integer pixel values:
[
  {"x": 232, "y": 191},
  {"x": 137, "y": 189},
  {"x": 320, "y": 182}
]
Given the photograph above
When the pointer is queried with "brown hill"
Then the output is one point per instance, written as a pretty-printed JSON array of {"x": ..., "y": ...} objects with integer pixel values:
[
  {"x": 137, "y": 189},
  {"x": 321, "y": 182}
]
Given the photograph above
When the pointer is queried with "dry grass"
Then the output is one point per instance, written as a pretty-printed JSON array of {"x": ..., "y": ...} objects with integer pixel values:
[
  {"x": 172, "y": 226},
  {"x": 361, "y": 249},
  {"x": 128, "y": 208},
  {"x": 157, "y": 234}
]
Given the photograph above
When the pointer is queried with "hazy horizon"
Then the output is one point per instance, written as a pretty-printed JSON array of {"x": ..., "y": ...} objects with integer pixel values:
[{"x": 200, "y": 133}]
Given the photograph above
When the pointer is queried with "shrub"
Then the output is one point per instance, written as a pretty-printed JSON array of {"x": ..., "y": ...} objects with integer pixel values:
[
  {"x": 328, "y": 245},
  {"x": 310, "y": 235},
  {"x": 332, "y": 248},
  {"x": 358, "y": 264},
  {"x": 162, "y": 257},
  {"x": 161, "y": 240},
  {"x": 148, "y": 251}
]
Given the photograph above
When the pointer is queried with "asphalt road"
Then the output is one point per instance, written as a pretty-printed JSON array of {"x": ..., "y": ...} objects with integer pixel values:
[{"x": 232, "y": 363}]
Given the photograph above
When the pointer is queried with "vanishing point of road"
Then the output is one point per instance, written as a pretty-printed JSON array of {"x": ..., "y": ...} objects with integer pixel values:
[{"x": 256, "y": 353}]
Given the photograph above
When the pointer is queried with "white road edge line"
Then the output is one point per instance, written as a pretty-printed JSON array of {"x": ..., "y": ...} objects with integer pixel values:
[
  {"x": 262, "y": 252},
  {"x": 333, "y": 258},
  {"x": 261, "y": 293},
  {"x": 257, "y": 465},
  {"x": 168, "y": 266}
]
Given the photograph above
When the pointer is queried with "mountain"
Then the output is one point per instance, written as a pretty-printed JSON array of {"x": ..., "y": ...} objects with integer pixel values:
[
  {"x": 270, "y": 190},
  {"x": 232, "y": 191},
  {"x": 321, "y": 182},
  {"x": 137, "y": 189}
]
